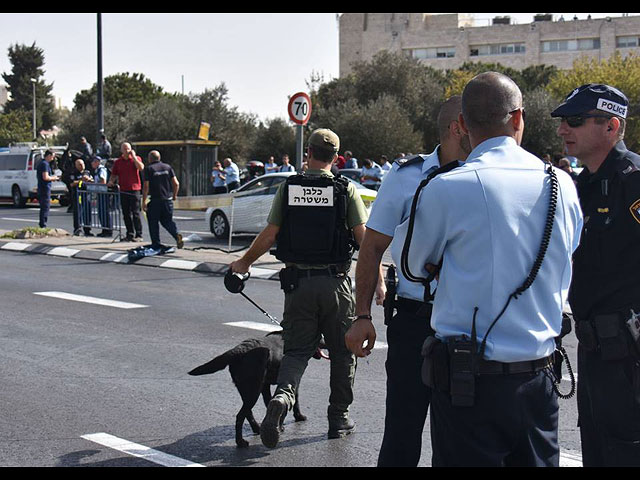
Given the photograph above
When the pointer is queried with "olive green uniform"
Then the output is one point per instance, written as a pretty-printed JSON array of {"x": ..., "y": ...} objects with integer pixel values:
[{"x": 320, "y": 305}]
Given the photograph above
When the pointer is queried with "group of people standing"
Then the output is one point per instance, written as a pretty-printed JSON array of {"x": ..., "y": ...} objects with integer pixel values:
[{"x": 489, "y": 243}]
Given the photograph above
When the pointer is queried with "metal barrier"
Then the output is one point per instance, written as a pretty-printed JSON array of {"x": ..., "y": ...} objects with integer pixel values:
[{"x": 98, "y": 206}]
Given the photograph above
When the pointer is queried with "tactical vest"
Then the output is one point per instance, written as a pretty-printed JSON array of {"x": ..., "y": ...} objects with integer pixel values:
[{"x": 314, "y": 228}]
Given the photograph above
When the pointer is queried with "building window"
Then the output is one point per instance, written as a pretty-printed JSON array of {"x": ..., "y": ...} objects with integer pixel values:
[
  {"x": 622, "y": 42},
  {"x": 571, "y": 45},
  {"x": 497, "y": 49},
  {"x": 436, "y": 52}
]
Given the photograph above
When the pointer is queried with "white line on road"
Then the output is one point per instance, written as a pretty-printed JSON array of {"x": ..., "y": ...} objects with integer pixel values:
[
  {"x": 140, "y": 451},
  {"x": 92, "y": 300},
  {"x": 570, "y": 459},
  {"x": 20, "y": 219}
]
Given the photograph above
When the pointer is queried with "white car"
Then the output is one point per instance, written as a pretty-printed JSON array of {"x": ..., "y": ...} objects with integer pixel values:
[{"x": 246, "y": 209}]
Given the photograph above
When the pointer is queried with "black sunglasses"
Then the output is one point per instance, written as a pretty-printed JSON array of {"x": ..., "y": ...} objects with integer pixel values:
[
  {"x": 523, "y": 112},
  {"x": 578, "y": 120}
]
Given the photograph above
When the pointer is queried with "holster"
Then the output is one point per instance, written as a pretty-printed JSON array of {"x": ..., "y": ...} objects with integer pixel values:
[
  {"x": 435, "y": 364},
  {"x": 289, "y": 279},
  {"x": 389, "y": 303},
  {"x": 606, "y": 333}
]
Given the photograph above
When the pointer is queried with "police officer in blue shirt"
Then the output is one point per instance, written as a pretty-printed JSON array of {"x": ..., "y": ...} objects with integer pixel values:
[
  {"x": 605, "y": 290},
  {"x": 407, "y": 397},
  {"x": 45, "y": 177},
  {"x": 503, "y": 227}
]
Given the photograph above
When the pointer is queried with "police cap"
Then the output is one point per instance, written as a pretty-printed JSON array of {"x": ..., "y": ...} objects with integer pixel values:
[
  {"x": 593, "y": 96},
  {"x": 325, "y": 139}
]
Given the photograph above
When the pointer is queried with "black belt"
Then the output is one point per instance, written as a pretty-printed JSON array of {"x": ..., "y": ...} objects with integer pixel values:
[
  {"x": 321, "y": 272},
  {"x": 491, "y": 367},
  {"x": 414, "y": 307}
]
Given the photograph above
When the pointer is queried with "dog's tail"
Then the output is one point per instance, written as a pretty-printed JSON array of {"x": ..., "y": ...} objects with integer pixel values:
[{"x": 222, "y": 361}]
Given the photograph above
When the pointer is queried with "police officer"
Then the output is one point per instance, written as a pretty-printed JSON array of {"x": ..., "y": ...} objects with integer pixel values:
[
  {"x": 487, "y": 223},
  {"x": 407, "y": 397},
  {"x": 605, "y": 291},
  {"x": 315, "y": 218}
]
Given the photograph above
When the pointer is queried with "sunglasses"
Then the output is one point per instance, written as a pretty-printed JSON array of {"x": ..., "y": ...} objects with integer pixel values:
[
  {"x": 523, "y": 112},
  {"x": 579, "y": 120}
]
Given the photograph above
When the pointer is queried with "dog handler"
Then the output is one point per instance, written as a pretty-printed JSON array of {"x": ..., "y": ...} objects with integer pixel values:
[{"x": 316, "y": 219}]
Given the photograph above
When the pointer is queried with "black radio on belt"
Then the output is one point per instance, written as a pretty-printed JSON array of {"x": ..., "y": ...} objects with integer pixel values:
[
  {"x": 390, "y": 297},
  {"x": 462, "y": 361}
]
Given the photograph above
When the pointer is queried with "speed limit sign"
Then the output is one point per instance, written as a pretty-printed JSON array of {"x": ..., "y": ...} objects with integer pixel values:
[{"x": 300, "y": 108}]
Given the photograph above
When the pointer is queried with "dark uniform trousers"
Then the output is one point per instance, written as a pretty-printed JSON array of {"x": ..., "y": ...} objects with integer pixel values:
[
  {"x": 160, "y": 212},
  {"x": 608, "y": 410},
  {"x": 320, "y": 305},
  {"x": 44, "y": 200},
  {"x": 408, "y": 398},
  {"x": 514, "y": 422}
]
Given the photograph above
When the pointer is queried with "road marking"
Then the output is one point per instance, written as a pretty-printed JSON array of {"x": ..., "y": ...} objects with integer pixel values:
[
  {"x": 63, "y": 252},
  {"x": 19, "y": 219},
  {"x": 183, "y": 218},
  {"x": 15, "y": 246},
  {"x": 271, "y": 327},
  {"x": 92, "y": 300},
  {"x": 140, "y": 451},
  {"x": 179, "y": 264},
  {"x": 570, "y": 459}
]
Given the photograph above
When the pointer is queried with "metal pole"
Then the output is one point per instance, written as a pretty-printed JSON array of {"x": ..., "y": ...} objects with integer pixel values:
[
  {"x": 299, "y": 147},
  {"x": 33, "y": 82},
  {"x": 100, "y": 99}
]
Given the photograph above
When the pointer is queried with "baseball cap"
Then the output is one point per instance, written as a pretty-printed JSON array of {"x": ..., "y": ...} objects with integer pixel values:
[
  {"x": 593, "y": 96},
  {"x": 325, "y": 138}
]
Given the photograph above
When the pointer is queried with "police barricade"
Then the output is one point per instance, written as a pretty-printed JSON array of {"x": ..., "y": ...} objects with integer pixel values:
[{"x": 99, "y": 207}]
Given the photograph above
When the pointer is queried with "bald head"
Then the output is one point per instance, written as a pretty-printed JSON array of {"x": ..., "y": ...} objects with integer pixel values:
[
  {"x": 449, "y": 112},
  {"x": 487, "y": 100}
]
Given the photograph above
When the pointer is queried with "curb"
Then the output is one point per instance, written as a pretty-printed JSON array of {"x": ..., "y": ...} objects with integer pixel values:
[{"x": 119, "y": 257}]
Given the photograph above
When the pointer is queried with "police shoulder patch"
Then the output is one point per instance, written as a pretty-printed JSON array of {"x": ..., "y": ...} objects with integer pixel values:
[
  {"x": 411, "y": 160},
  {"x": 635, "y": 210}
]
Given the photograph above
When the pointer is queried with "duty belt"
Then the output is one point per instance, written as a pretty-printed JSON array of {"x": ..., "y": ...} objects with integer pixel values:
[
  {"x": 331, "y": 271},
  {"x": 414, "y": 307},
  {"x": 491, "y": 367}
]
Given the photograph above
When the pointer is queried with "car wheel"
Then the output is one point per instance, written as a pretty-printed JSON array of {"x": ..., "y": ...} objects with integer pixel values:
[
  {"x": 219, "y": 225},
  {"x": 18, "y": 199}
]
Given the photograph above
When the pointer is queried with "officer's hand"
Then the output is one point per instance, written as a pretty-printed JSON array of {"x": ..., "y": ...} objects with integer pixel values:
[
  {"x": 239, "y": 266},
  {"x": 355, "y": 337},
  {"x": 381, "y": 291}
]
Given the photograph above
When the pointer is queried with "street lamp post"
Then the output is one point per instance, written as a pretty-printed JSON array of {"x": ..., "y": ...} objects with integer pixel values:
[{"x": 33, "y": 82}]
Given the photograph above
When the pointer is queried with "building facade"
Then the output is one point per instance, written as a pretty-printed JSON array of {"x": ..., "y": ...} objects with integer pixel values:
[{"x": 446, "y": 41}]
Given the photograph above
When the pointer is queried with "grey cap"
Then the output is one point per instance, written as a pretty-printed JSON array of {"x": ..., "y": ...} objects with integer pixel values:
[{"x": 325, "y": 138}]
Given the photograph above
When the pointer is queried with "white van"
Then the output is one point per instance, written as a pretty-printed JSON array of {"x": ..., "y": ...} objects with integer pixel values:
[{"x": 18, "y": 179}]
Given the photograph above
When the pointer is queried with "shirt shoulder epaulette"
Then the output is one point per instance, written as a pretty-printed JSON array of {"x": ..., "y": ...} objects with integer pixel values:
[
  {"x": 630, "y": 163},
  {"x": 411, "y": 160}
]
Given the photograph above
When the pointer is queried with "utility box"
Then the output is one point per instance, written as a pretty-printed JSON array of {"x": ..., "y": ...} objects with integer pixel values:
[{"x": 191, "y": 160}]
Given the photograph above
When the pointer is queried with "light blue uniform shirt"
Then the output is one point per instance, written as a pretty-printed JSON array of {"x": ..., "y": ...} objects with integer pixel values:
[
  {"x": 217, "y": 179},
  {"x": 392, "y": 207},
  {"x": 485, "y": 220},
  {"x": 232, "y": 173}
]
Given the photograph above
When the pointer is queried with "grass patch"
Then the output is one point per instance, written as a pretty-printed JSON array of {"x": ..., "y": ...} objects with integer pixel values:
[{"x": 27, "y": 232}]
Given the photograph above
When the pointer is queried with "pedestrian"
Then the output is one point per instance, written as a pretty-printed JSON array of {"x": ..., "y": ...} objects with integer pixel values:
[
  {"x": 100, "y": 177},
  {"x": 80, "y": 201},
  {"x": 502, "y": 228},
  {"x": 161, "y": 183},
  {"x": 87, "y": 151},
  {"x": 565, "y": 164},
  {"x": 286, "y": 166},
  {"x": 271, "y": 166},
  {"x": 318, "y": 296},
  {"x": 45, "y": 177},
  {"x": 340, "y": 162},
  {"x": 604, "y": 296},
  {"x": 407, "y": 399},
  {"x": 218, "y": 178},
  {"x": 370, "y": 174},
  {"x": 104, "y": 148},
  {"x": 126, "y": 172},
  {"x": 349, "y": 160},
  {"x": 384, "y": 163},
  {"x": 231, "y": 174}
]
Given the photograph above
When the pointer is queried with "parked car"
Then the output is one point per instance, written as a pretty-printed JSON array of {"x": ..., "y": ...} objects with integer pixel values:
[
  {"x": 351, "y": 173},
  {"x": 18, "y": 180},
  {"x": 248, "y": 207}
]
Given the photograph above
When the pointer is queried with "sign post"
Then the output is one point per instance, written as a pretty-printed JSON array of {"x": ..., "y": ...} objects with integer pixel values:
[{"x": 299, "y": 112}]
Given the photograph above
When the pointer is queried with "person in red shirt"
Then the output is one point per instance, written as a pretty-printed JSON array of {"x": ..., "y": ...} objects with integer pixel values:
[{"x": 126, "y": 172}]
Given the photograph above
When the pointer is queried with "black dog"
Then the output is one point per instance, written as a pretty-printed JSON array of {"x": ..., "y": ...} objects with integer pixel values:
[{"x": 254, "y": 366}]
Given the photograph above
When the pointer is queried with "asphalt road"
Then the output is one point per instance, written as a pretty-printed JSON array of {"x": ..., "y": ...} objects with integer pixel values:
[{"x": 92, "y": 384}]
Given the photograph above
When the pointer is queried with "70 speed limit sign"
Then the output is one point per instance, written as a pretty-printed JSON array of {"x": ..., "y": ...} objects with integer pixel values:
[{"x": 300, "y": 108}]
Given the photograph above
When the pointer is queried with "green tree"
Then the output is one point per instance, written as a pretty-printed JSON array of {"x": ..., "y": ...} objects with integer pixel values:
[
  {"x": 122, "y": 87},
  {"x": 15, "y": 127},
  {"x": 274, "y": 137},
  {"x": 27, "y": 63}
]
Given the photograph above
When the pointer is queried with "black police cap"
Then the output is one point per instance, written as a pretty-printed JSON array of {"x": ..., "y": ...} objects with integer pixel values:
[{"x": 593, "y": 96}]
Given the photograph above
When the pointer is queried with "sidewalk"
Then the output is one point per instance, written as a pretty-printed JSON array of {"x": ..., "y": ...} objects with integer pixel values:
[{"x": 209, "y": 261}]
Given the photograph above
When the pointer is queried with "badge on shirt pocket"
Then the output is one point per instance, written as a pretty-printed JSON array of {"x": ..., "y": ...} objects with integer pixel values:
[{"x": 635, "y": 210}]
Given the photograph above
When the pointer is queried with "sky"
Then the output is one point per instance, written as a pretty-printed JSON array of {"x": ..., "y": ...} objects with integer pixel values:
[{"x": 262, "y": 58}]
